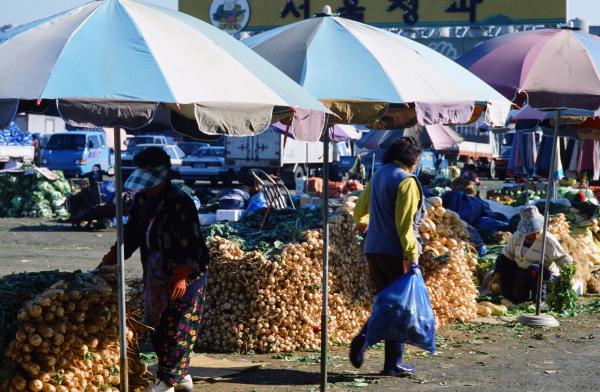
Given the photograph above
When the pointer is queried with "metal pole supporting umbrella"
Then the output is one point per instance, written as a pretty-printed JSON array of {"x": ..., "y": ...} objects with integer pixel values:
[
  {"x": 550, "y": 192},
  {"x": 325, "y": 282},
  {"x": 121, "y": 262},
  {"x": 539, "y": 319}
]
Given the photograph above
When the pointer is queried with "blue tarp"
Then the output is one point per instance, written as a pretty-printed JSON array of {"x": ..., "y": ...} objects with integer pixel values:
[{"x": 15, "y": 136}]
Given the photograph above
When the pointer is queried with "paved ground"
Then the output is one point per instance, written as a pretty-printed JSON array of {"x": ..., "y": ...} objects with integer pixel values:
[{"x": 470, "y": 357}]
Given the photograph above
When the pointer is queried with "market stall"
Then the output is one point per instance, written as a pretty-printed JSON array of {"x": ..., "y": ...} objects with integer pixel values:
[{"x": 522, "y": 73}]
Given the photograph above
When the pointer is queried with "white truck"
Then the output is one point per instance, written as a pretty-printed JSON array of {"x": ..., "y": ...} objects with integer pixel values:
[
  {"x": 15, "y": 153},
  {"x": 266, "y": 152}
]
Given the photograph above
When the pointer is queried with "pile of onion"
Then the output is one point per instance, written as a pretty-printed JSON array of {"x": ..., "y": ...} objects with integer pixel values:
[
  {"x": 449, "y": 263},
  {"x": 67, "y": 340},
  {"x": 273, "y": 304},
  {"x": 582, "y": 249}
]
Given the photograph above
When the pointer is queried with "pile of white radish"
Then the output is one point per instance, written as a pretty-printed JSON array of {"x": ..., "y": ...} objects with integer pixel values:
[
  {"x": 262, "y": 304},
  {"x": 449, "y": 264},
  {"x": 582, "y": 249},
  {"x": 67, "y": 340}
]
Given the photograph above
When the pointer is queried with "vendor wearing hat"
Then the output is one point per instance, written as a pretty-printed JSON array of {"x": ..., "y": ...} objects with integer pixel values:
[
  {"x": 163, "y": 224},
  {"x": 517, "y": 267}
]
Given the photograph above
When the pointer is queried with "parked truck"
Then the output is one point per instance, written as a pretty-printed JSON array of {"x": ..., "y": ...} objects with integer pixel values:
[
  {"x": 16, "y": 145},
  {"x": 78, "y": 153},
  {"x": 267, "y": 151},
  {"x": 15, "y": 153}
]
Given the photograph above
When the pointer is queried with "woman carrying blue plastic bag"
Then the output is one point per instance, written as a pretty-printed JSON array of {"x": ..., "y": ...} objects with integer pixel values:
[{"x": 394, "y": 202}]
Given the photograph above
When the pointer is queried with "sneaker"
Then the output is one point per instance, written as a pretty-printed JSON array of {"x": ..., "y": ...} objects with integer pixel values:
[
  {"x": 185, "y": 385},
  {"x": 159, "y": 386}
]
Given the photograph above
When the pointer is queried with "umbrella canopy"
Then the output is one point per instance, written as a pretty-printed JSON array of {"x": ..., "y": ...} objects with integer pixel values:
[
  {"x": 112, "y": 53},
  {"x": 438, "y": 136},
  {"x": 571, "y": 116},
  {"x": 357, "y": 69},
  {"x": 442, "y": 137},
  {"x": 379, "y": 139},
  {"x": 337, "y": 133},
  {"x": 366, "y": 75},
  {"x": 556, "y": 68}
]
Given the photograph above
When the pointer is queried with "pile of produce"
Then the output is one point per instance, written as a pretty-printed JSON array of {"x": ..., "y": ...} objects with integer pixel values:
[
  {"x": 340, "y": 189},
  {"x": 264, "y": 289},
  {"x": 515, "y": 196},
  {"x": 271, "y": 301},
  {"x": 561, "y": 296},
  {"x": 486, "y": 309},
  {"x": 66, "y": 339},
  {"x": 449, "y": 264},
  {"x": 336, "y": 189},
  {"x": 352, "y": 186},
  {"x": 15, "y": 290},
  {"x": 314, "y": 185},
  {"x": 585, "y": 253},
  {"x": 30, "y": 194},
  {"x": 280, "y": 228},
  {"x": 15, "y": 136}
]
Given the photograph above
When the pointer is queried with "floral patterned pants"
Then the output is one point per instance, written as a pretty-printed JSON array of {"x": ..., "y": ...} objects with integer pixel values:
[{"x": 175, "y": 337}]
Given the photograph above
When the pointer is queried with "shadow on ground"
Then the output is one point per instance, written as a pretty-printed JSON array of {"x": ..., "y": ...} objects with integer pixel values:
[
  {"x": 286, "y": 377},
  {"x": 48, "y": 228}
]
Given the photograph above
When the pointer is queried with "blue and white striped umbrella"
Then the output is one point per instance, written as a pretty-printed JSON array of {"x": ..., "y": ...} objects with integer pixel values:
[
  {"x": 124, "y": 50},
  {"x": 337, "y": 59}
]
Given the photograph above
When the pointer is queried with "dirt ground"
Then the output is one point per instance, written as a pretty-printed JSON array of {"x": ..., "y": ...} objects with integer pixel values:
[{"x": 473, "y": 357}]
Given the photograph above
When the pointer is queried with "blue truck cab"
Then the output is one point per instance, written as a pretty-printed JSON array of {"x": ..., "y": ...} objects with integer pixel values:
[{"x": 77, "y": 153}]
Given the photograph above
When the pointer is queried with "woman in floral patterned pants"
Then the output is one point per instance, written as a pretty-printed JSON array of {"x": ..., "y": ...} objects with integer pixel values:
[{"x": 163, "y": 225}]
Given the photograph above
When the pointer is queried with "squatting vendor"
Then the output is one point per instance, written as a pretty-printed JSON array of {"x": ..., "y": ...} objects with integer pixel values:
[{"x": 517, "y": 267}]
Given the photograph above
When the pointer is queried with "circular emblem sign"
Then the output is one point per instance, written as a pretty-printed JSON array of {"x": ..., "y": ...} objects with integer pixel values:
[{"x": 231, "y": 16}]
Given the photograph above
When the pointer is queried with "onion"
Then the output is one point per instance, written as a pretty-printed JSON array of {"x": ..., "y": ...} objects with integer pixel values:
[{"x": 35, "y": 385}]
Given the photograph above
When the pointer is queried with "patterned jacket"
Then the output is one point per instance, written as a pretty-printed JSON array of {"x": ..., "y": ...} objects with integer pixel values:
[{"x": 175, "y": 231}]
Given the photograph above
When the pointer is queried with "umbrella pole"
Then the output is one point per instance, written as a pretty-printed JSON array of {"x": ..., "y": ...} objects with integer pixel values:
[
  {"x": 551, "y": 183},
  {"x": 325, "y": 283},
  {"x": 121, "y": 264}
]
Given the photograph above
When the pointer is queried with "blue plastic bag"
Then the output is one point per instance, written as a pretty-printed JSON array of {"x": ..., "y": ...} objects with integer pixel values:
[
  {"x": 257, "y": 202},
  {"x": 402, "y": 312}
]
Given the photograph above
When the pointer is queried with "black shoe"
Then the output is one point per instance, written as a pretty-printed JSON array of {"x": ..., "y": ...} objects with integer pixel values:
[{"x": 357, "y": 350}]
